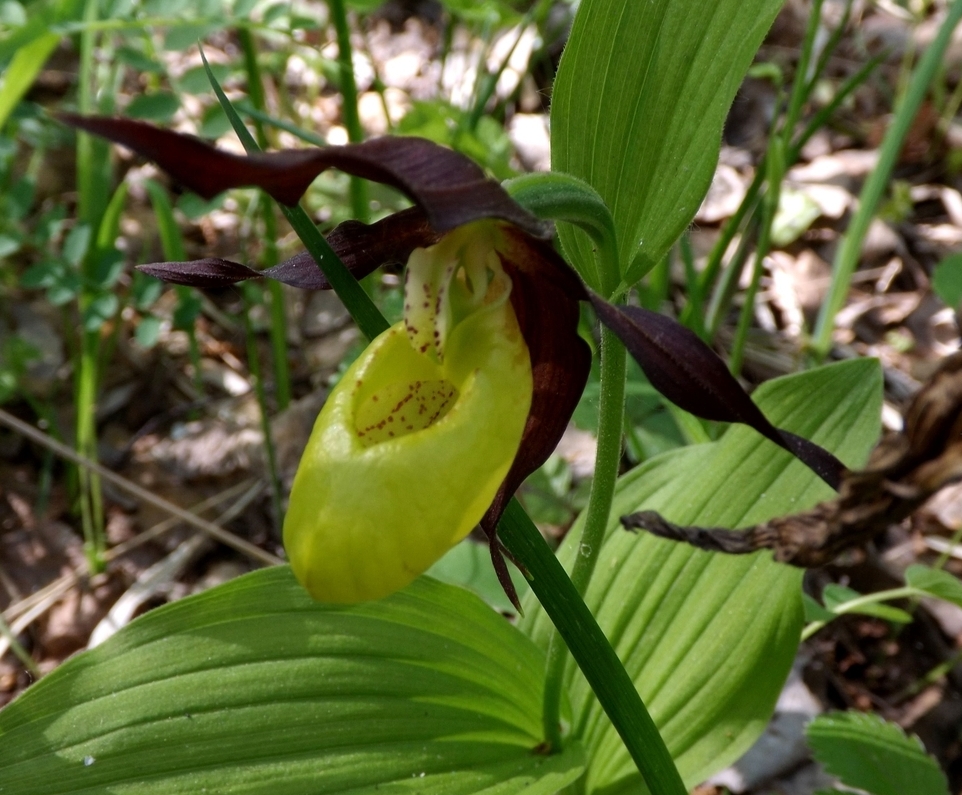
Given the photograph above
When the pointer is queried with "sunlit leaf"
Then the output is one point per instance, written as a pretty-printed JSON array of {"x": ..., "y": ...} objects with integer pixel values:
[
  {"x": 638, "y": 106},
  {"x": 20, "y": 73},
  {"x": 708, "y": 638},
  {"x": 254, "y": 688}
]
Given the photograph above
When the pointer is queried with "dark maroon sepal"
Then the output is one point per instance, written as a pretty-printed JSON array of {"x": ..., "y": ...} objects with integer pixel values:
[
  {"x": 450, "y": 188},
  {"x": 544, "y": 294},
  {"x": 692, "y": 376}
]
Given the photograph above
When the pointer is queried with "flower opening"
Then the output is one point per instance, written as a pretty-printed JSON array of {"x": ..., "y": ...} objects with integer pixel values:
[{"x": 428, "y": 419}]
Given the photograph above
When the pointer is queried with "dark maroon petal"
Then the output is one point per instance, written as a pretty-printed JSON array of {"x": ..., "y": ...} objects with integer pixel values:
[
  {"x": 689, "y": 373},
  {"x": 205, "y": 273},
  {"x": 362, "y": 247},
  {"x": 450, "y": 188},
  {"x": 544, "y": 294}
]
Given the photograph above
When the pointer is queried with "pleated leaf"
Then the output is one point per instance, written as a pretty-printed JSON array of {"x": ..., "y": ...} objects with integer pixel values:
[
  {"x": 709, "y": 638},
  {"x": 871, "y": 754},
  {"x": 254, "y": 688},
  {"x": 638, "y": 106}
]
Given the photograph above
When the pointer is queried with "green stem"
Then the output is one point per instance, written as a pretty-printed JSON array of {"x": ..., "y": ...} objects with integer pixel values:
[
  {"x": 709, "y": 275},
  {"x": 821, "y": 117},
  {"x": 19, "y": 651},
  {"x": 853, "y": 605},
  {"x": 91, "y": 502},
  {"x": 92, "y": 201},
  {"x": 360, "y": 206},
  {"x": 590, "y": 648},
  {"x": 800, "y": 85},
  {"x": 278, "y": 328},
  {"x": 775, "y": 170},
  {"x": 611, "y": 413},
  {"x": 847, "y": 256},
  {"x": 253, "y": 362},
  {"x": 728, "y": 284},
  {"x": 248, "y": 110}
]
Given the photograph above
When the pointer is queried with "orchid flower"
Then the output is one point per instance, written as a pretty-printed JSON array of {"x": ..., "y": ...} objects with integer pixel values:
[{"x": 435, "y": 426}]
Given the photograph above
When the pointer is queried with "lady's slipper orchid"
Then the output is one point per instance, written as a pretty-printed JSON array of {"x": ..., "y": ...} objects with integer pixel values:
[
  {"x": 433, "y": 410},
  {"x": 476, "y": 386}
]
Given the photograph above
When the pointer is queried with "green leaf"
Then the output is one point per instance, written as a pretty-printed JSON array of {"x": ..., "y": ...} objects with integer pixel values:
[
  {"x": 139, "y": 61},
  {"x": 12, "y": 14},
  {"x": 9, "y": 244},
  {"x": 834, "y": 595},
  {"x": 814, "y": 611},
  {"x": 19, "y": 74},
  {"x": 708, "y": 638},
  {"x": 883, "y": 611},
  {"x": 252, "y": 687},
  {"x": 947, "y": 280},
  {"x": 637, "y": 110},
  {"x": 76, "y": 244},
  {"x": 148, "y": 331},
  {"x": 180, "y": 37},
  {"x": 158, "y": 106},
  {"x": 868, "y": 753},
  {"x": 194, "y": 81},
  {"x": 100, "y": 310},
  {"x": 562, "y": 197},
  {"x": 935, "y": 582}
]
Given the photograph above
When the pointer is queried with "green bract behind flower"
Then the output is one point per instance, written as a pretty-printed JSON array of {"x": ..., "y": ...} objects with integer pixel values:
[{"x": 416, "y": 438}]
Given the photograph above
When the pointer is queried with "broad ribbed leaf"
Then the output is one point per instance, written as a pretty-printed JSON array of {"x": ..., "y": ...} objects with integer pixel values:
[
  {"x": 254, "y": 688},
  {"x": 709, "y": 638},
  {"x": 866, "y": 752},
  {"x": 638, "y": 106}
]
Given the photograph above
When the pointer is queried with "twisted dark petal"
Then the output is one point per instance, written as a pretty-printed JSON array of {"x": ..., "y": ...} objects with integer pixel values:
[
  {"x": 451, "y": 189},
  {"x": 689, "y": 373},
  {"x": 365, "y": 247},
  {"x": 544, "y": 294},
  {"x": 362, "y": 247}
]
